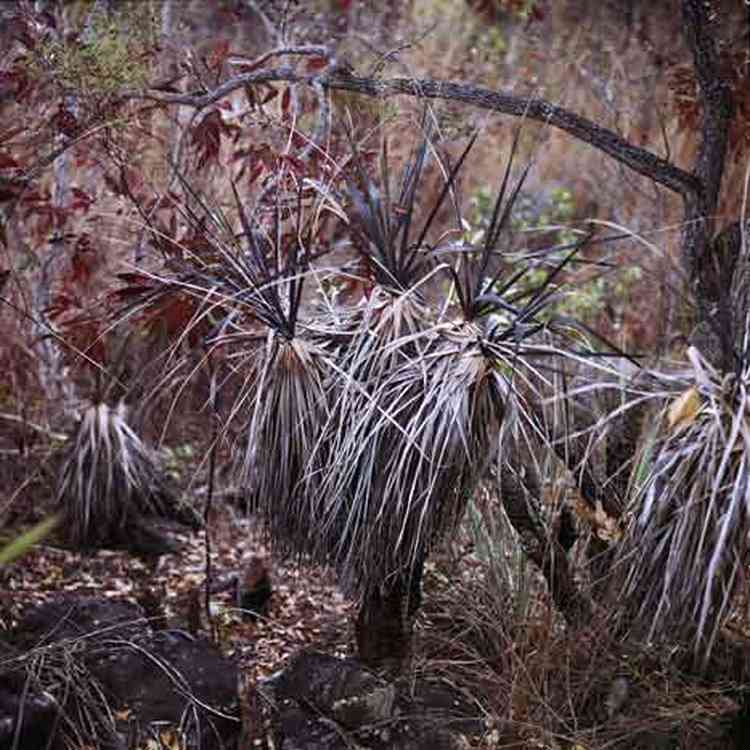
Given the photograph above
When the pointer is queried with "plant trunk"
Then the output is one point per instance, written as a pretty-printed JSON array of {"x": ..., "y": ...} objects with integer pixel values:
[{"x": 385, "y": 622}]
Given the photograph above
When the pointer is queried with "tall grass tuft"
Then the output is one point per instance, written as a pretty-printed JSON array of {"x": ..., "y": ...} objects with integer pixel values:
[
  {"x": 108, "y": 479},
  {"x": 686, "y": 550}
]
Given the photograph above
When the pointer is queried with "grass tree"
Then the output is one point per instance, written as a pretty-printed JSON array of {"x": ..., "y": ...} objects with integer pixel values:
[
  {"x": 109, "y": 481},
  {"x": 365, "y": 419},
  {"x": 683, "y": 562}
]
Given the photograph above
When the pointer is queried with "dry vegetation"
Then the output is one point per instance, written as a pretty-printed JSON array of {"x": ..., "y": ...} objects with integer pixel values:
[{"x": 417, "y": 340}]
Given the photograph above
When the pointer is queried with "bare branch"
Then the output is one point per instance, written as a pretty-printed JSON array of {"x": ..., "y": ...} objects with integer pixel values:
[
  {"x": 201, "y": 101},
  {"x": 315, "y": 50},
  {"x": 640, "y": 160}
]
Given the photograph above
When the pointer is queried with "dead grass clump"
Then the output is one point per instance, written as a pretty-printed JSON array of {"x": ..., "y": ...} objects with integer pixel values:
[
  {"x": 539, "y": 685},
  {"x": 62, "y": 694},
  {"x": 487, "y": 626},
  {"x": 600, "y": 694},
  {"x": 108, "y": 481},
  {"x": 683, "y": 560}
]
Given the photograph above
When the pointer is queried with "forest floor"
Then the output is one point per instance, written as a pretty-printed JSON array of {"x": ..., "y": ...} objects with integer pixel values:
[
  {"x": 464, "y": 635},
  {"x": 305, "y": 610}
]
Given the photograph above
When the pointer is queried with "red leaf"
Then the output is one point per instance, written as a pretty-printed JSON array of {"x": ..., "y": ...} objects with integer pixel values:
[
  {"x": 206, "y": 137},
  {"x": 7, "y": 161},
  {"x": 81, "y": 271},
  {"x": 8, "y": 193},
  {"x": 83, "y": 262},
  {"x": 537, "y": 13},
  {"x": 174, "y": 313},
  {"x": 256, "y": 172},
  {"x": 316, "y": 63},
  {"x": 218, "y": 55},
  {"x": 81, "y": 200}
]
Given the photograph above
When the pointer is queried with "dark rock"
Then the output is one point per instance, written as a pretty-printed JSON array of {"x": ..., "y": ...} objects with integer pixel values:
[
  {"x": 26, "y": 712},
  {"x": 329, "y": 704},
  {"x": 145, "y": 542},
  {"x": 327, "y": 683},
  {"x": 433, "y": 702},
  {"x": 172, "y": 677},
  {"x": 27, "y": 716},
  {"x": 301, "y": 731},
  {"x": 73, "y": 616},
  {"x": 105, "y": 652}
]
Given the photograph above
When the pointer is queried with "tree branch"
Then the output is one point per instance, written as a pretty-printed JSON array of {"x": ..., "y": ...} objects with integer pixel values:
[
  {"x": 640, "y": 160},
  {"x": 699, "y": 189},
  {"x": 206, "y": 99}
]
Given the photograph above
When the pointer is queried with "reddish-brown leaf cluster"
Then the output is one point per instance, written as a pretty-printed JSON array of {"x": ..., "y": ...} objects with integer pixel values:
[{"x": 205, "y": 137}]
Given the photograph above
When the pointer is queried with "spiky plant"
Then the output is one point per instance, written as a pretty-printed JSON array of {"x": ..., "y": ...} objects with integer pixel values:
[
  {"x": 429, "y": 387},
  {"x": 365, "y": 424},
  {"x": 108, "y": 481},
  {"x": 687, "y": 547},
  {"x": 287, "y": 378}
]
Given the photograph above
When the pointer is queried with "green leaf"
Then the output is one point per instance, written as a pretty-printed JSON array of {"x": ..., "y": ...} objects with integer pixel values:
[{"x": 35, "y": 534}]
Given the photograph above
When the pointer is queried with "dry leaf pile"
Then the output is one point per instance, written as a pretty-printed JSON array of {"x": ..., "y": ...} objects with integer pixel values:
[{"x": 305, "y": 609}]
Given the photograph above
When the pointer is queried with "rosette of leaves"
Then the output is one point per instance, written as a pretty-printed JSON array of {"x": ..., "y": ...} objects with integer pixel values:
[
  {"x": 286, "y": 378},
  {"x": 386, "y": 332},
  {"x": 427, "y": 389},
  {"x": 687, "y": 547},
  {"x": 238, "y": 287},
  {"x": 108, "y": 482}
]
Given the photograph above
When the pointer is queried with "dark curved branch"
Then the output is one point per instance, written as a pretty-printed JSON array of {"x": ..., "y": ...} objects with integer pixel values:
[
  {"x": 638, "y": 159},
  {"x": 207, "y": 98},
  {"x": 699, "y": 189}
]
